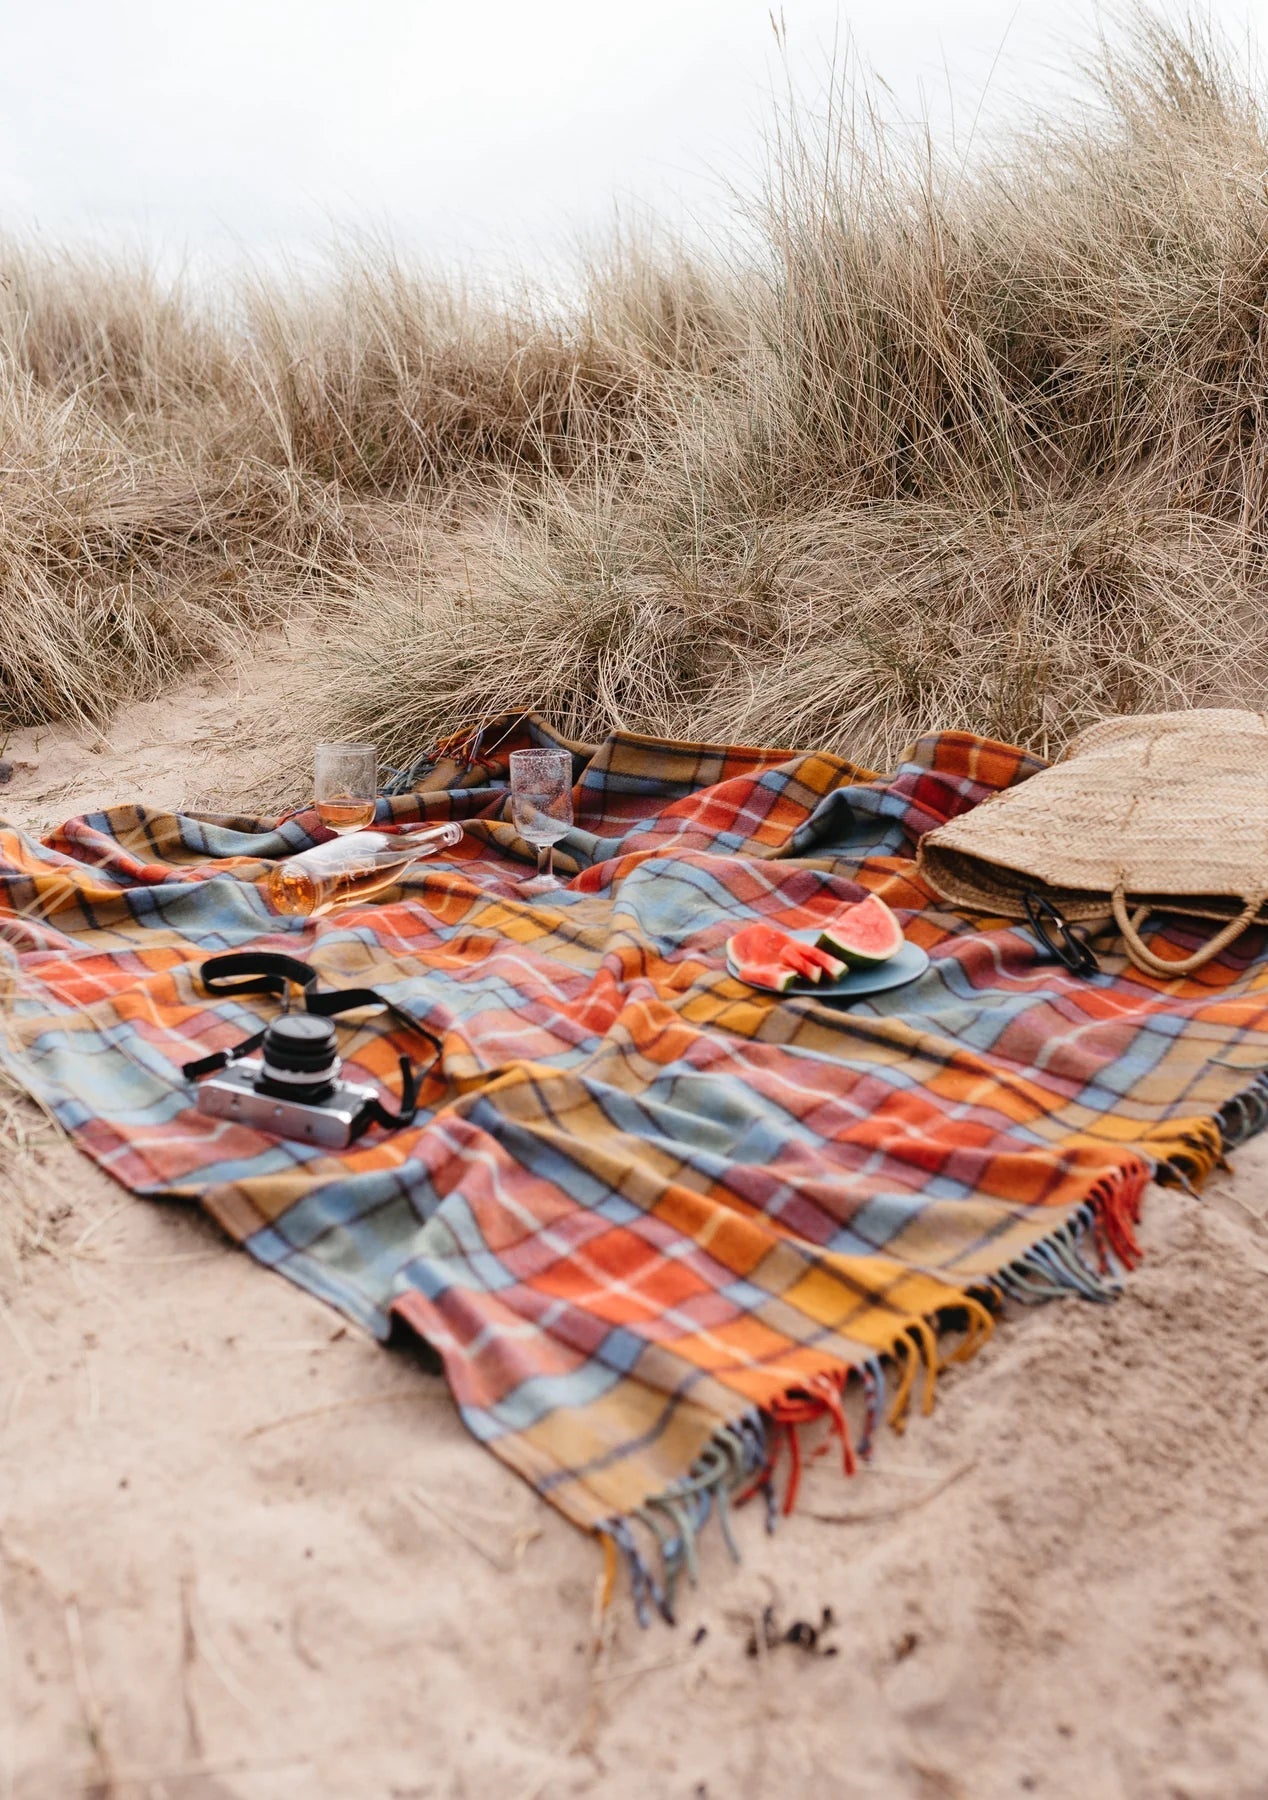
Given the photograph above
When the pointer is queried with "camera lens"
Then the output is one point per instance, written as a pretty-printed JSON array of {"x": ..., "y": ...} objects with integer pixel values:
[{"x": 300, "y": 1062}]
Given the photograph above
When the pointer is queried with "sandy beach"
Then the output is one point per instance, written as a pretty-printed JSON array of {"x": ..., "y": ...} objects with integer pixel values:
[{"x": 247, "y": 1554}]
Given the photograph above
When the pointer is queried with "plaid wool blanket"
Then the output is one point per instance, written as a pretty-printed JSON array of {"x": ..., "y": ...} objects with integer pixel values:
[{"x": 652, "y": 1221}]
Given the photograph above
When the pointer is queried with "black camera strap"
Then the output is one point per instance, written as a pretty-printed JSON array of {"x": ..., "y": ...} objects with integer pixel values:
[{"x": 269, "y": 972}]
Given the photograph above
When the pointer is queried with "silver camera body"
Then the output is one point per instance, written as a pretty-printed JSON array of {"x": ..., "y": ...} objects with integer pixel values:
[
  {"x": 234, "y": 1093},
  {"x": 293, "y": 1088}
]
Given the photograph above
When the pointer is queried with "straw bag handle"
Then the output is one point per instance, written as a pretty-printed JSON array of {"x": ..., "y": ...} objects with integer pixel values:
[{"x": 1143, "y": 956}]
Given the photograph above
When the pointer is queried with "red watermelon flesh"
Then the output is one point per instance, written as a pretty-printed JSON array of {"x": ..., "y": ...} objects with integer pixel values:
[
  {"x": 757, "y": 956},
  {"x": 864, "y": 935}
]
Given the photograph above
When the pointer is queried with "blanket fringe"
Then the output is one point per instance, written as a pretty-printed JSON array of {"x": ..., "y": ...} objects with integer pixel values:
[
  {"x": 1087, "y": 1255},
  {"x": 1244, "y": 1115}
]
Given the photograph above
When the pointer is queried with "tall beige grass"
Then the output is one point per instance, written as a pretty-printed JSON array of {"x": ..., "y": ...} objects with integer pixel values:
[{"x": 978, "y": 447}]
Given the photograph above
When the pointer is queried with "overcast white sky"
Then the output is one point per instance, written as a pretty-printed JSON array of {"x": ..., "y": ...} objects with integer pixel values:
[{"x": 471, "y": 130}]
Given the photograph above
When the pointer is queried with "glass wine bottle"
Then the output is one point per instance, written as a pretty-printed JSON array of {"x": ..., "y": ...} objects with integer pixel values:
[{"x": 360, "y": 866}]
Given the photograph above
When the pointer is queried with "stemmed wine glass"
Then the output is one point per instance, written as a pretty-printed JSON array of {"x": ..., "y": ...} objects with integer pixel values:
[
  {"x": 345, "y": 785},
  {"x": 541, "y": 807}
]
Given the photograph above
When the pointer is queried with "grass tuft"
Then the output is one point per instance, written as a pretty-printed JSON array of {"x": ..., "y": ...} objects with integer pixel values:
[{"x": 980, "y": 447}]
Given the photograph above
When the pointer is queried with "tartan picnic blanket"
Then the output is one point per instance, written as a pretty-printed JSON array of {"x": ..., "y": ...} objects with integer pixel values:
[{"x": 654, "y": 1222}]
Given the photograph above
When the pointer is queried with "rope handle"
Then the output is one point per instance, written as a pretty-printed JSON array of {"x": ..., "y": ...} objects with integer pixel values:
[{"x": 1144, "y": 957}]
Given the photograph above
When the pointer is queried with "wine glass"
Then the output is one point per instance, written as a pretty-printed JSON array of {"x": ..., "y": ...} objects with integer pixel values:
[
  {"x": 541, "y": 807},
  {"x": 345, "y": 785}
]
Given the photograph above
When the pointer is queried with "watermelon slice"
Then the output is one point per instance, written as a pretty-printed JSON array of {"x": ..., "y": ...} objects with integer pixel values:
[
  {"x": 804, "y": 958},
  {"x": 825, "y": 963},
  {"x": 758, "y": 956},
  {"x": 763, "y": 955},
  {"x": 864, "y": 935}
]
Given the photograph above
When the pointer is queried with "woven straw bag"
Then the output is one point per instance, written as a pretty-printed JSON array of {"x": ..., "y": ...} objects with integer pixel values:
[{"x": 1166, "y": 811}]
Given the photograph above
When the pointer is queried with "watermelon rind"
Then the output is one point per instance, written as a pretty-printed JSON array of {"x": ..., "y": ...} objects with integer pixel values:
[{"x": 864, "y": 936}]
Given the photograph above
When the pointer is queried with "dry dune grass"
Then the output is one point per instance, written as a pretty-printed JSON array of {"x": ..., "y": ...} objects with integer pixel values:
[{"x": 974, "y": 447}]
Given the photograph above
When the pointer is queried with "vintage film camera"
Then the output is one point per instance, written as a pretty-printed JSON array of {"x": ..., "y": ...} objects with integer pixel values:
[{"x": 293, "y": 1087}]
